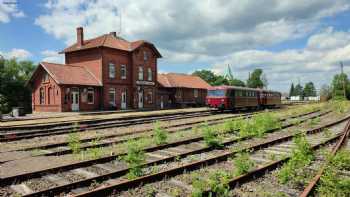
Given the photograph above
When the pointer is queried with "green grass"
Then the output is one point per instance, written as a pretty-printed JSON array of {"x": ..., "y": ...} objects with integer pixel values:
[
  {"x": 216, "y": 183},
  {"x": 211, "y": 139},
  {"x": 160, "y": 135},
  {"x": 74, "y": 142},
  {"x": 134, "y": 158},
  {"x": 332, "y": 183},
  {"x": 242, "y": 163},
  {"x": 302, "y": 156}
]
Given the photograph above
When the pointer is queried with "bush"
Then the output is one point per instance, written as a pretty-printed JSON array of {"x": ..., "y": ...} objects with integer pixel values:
[
  {"x": 210, "y": 137},
  {"x": 258, "y": 125},
  {"x": 242, "y": 163},
  {"x": 135, "y": 158},
  {"x": 74, "y": 142},
  {"x": 216, "y": 183},
  {"x": 160, "y": 135}
]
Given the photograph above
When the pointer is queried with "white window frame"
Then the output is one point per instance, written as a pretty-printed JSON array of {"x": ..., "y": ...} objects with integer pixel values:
[
  {"x": 140, "y": 73},
  {"x": 91, "y": 91},
  {"x": 195, "y": 93},
  {"x": 113, "y": 91},
  {"x": 149, "y": 74},
  {"x": 123, "y": 71},
  {"x": 111, "y": 70}
]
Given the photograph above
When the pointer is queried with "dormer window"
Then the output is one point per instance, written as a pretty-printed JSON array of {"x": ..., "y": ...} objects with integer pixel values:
[
  {"x": 111, "y": 68},
  {"x": 145, "y": 56}
]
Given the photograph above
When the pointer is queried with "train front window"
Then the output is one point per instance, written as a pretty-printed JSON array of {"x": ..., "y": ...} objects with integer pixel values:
[{"x": 216, "y": 93}]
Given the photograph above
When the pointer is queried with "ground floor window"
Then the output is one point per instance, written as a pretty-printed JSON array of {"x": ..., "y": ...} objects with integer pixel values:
[
  {"x": 42, "y": 96},
  {"x": 195, "y": 93},
  {"x": 111, "y": 97},
  {"x": 150, "y": 97},
  {"x": 90, "y": 96}
]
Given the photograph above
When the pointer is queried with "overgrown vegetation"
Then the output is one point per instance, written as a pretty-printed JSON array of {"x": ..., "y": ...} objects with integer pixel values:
[
  {"x": 242, "y": 163},
  {"x": 332, "y": 182},
  {"x": 302, "y": 156},
  {"x": 216, "y": 183},
  {"x": 135, "y": 158},
  {"x": 160, "y": 135},
  {"x": 74, "y": 142},
  {"x": 211, "y": 139},
  {"x": 95, "y": 152}
]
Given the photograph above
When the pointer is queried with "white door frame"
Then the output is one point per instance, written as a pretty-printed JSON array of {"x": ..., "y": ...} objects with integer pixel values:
[
  {"x": 123, "y": 100},
  {"x": 75, "y": 100},
  {"x": 140, "y": 99}
]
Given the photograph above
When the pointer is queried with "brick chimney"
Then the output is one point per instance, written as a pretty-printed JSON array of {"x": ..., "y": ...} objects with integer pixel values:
[
  {"x": 80, "y": 36},
  {"x": 113, "y": 33}
]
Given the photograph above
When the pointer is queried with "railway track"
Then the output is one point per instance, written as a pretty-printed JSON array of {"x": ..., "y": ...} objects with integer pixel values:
[
  {"x": 181, "y": 149},
  {"x": 56, "y": 149},
  {"x": 281, "y": 146},
  {"x": 27, "y": 132}
]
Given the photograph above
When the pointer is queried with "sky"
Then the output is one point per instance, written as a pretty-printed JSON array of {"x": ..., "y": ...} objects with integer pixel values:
[{"x": 291, "y": 40}]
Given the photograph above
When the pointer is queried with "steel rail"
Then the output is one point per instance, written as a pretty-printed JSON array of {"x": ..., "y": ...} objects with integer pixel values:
[
  {"x": 310, "y": 188},
  {"x": 85, "y": 182},
  {"x": 124, "y": 185},
  {"x": 38, "y": 173}
]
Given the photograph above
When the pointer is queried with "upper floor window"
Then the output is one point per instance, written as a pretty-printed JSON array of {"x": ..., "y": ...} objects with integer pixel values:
[
  {"x": 123, "y": 72},
  {"x": 45, "y": 77},
  {"x": 145, "y": 56},
  {"x": 90, "y": 96},
  {"x": 111, "y": 68},
  {"x": 140, "y": 73},
  {"x": 149, "y": 74},
  {"x": 42, "y": 96}
]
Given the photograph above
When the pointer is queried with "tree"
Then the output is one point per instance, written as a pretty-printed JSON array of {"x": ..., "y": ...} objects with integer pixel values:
[
  {"x": 298, "y": 90},
  {"x": 291, "y": 91},
  {"x": 340, "y": 83},
  {"x": 309, "y": 90},
  {"x": 325, "y": 92},
  {"x": 206, "y": 75},
  {"x": 231, "y": 80},
  {"x": 254, "y": 80},
  {"x": 13, "y": 77}
]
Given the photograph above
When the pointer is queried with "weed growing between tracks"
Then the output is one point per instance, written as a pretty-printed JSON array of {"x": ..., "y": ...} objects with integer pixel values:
[
  {"x": 217, "y": 182},
  {"x": 210, "y": 137},
  {"x": 160, "y": 134},
  {"x": 332, "y": 183},
  {"x": 134, "y": 158},
  {"x": 242, "y": 164},
  {"x": 302, "y": 156},
  {"x": 74, "y": 142}
]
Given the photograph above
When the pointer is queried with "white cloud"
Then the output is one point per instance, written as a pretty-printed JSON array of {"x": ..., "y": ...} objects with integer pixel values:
[
  {"x": 215, "y": 31},
  {"x": 21, "y": 54},
  {"x": 9, "y": 9},
  {"x": 52, "y": 56}
]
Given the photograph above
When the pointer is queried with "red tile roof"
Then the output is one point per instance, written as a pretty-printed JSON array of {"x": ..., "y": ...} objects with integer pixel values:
[
  {"x": 177, "y": 80},
  {"x": 70, "y": 75},
  {"x": 111, "y": 41}
]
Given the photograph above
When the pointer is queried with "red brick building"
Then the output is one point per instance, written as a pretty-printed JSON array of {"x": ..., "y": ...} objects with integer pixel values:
[
  {"x": 180, "y": 90},
  {"x": 106, "y": 72}
]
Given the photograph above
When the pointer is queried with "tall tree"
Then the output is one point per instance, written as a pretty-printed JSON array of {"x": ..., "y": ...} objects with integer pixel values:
[
  {"x": 254, "y": 80},
  {"x": 206, "y": 75},
  {"x": 291, "y": 91},
  {"x": 340, "y": 84},
  {"x": 309, "y": 89},
  {"x": 13, "y": 77},
  {"x": 298, "y": 90}
]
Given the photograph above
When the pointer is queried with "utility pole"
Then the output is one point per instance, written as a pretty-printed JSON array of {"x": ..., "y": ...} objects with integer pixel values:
[{"x": 342, "y": 72}]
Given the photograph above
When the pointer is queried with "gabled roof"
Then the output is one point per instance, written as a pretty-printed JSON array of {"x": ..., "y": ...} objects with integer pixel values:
[
  {"x": 68, "y": 74},
  {"x": 178, "y": 80},
  {"x": 111, "y": 41}
]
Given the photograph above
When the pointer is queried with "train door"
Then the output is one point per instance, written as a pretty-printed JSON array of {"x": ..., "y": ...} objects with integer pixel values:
[{"x": 231, "y": 97}]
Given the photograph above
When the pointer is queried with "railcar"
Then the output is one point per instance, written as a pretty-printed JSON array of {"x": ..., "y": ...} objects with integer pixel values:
[{"x": 232, "y": 97}]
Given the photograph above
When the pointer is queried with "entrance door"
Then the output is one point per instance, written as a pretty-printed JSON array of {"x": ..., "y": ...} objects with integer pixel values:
[
  {"x": 140, "y": 99},
  {"x": 123, "y": 103},
  {"x": 75, "y": 101}
]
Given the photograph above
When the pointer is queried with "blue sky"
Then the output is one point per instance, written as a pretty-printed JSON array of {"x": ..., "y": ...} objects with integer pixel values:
[{"x": 291, "y": 40}]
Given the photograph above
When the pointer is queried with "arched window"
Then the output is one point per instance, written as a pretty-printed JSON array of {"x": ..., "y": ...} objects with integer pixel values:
[
  {"x": 149, "y": 74},
  {"x": 111, "y": 68},
  {"x": 141, "y": 73}
]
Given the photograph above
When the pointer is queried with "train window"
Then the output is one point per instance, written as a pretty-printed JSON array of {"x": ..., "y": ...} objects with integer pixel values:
[{"x": 216, "y": 93}]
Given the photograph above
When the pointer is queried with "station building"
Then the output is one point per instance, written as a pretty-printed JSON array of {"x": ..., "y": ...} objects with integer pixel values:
[{"x": 104, "y": 73}]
